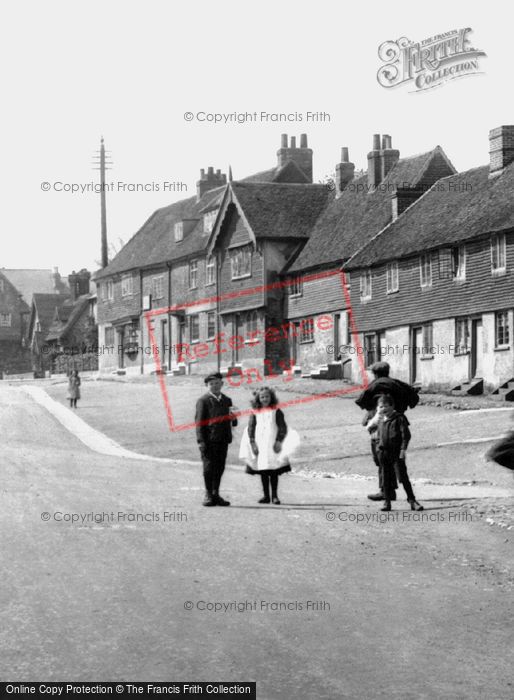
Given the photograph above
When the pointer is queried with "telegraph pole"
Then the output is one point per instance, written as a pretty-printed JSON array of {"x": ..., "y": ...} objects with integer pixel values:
[{"x": 102, "y": 163}]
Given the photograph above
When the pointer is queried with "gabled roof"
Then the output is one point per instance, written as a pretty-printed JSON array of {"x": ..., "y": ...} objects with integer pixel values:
[
  {"x": 29, "y": 282},
  {"x": 456, "y": 209},
  {"x": 358, "y": 214},
  {"x": 274, "y": 210},
  {"x": 66, "y": 316},
  {"x": 154, "y": 243},
  {"x": 45, "y": 305}
]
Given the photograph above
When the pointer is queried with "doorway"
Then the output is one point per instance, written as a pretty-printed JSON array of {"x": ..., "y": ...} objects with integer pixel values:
[
  {"x": 416, "y": 349},
  {"x": 477, "y": 348}
]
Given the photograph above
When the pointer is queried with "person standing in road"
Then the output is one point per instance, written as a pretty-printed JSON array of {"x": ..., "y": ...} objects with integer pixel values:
[
  {"x": 74, "y": 388},
  {"x": 214, "y": 420},
  {"x": 404, "y": 396}
]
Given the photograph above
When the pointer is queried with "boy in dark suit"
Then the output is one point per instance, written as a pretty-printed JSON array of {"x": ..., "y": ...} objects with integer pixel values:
[
  {"x": 214, "y": 434},
  {"x": 393, "y": 439}
]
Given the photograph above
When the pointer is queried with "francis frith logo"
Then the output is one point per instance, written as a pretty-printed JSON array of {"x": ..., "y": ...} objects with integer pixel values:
[{"x": 430, "y": 62}]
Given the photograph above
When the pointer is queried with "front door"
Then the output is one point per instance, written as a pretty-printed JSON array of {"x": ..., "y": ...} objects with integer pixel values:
[
  {"x": 417, "y": 344},
  {"x": 477, "y": 348},
  {"x": 337, "y": 339},
  {"x": 235, "y": 333},
  {"x": 121, "y": 353},
  {"x": 293, "y": 342}
]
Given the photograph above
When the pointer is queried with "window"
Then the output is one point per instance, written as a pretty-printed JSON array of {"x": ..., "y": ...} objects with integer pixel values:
[
  {"x": 459, "y": 262},
  {"x": 157, "y": 287},
  {"x": 5, "y": 320},
  {"x": 307, "y": 330},
  {"x": 241, "y": 262},
  {"x": 193, "y": 274},
  {"x": 425, "y": 270},
  {"x": 178, "y": 231},
  {"x": 210, "y": 270},
  {"x": 110, "y": 290},
  {"x": 498, "y": 256},
  {"x": 208, "y": 220},
  {"x": 126, "y": 285},
  {"x": 348, "y": 328},
  {"x": 370, "y": 349},
  {"x": 252, "y": 322},
  {"x": 501, "y": 329},
  {"x": 194, "y": 328},
  {"x": 461, "y": 336},
  {"x": 211, "y": 324},
  {"x": 428, "y": 339},
  {"x": 365, "y": 285},
  {"x": 109, "y": 336},
  {"x": 392, "y": 277},
  {"x": 296, "y": 286}
]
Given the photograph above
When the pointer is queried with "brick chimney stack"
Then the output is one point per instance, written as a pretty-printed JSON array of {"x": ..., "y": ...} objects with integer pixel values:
[
  {"x": 59, "y": 286},
  {"x": 381, "y": 159},
  {"x": 501, "y": 149},
  {"x": 79, "y": 283},
  {"x": 302, "y": 156},
  {"x": 209, "y": 181},
  {"x": 344, "y": 172}
]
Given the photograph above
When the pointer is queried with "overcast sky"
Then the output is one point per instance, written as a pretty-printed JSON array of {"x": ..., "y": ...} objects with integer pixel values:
[{"x": 130, "y": 70}]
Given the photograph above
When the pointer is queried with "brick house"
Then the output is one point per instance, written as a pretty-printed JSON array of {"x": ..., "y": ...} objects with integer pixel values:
[
  {"x": 170, "y": 264},
  {"x": 359, "y": 207},
  {"x": 434, "y": 290}
]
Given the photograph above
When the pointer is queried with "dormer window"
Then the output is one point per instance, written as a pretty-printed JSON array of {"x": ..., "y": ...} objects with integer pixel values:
[
  {"x": 208, "y": 220},
  {"x": 178, "y": 231}
]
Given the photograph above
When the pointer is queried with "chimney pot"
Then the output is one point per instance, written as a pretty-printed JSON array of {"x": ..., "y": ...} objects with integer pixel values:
[
  {"x": 344, "y": 154},
  {"x": 283, "y": 142},
  {"x": 376, "y": 142},
  {"x": 303, "y": 141},
  {"x": 501, "y": 149},
  {"x": 293, "y": 142},
  {"x": 210, "y": 171},
  {"x": 218, "y": 172},
  {"x": 202, "y": 174}
]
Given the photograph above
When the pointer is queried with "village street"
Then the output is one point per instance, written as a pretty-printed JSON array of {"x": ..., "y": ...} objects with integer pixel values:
[{"x": 396, "y": 609}]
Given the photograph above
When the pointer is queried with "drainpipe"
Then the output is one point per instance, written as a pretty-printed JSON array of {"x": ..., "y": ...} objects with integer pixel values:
[
  {"x": 168, "y": 265},
  {"x": 141, "y": 321}
]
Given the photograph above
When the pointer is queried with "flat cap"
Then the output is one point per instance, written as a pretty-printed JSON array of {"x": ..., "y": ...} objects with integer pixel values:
[{"x": 214, "y": 375}]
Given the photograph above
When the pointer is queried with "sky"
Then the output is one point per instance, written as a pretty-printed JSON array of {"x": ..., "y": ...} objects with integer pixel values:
[{"x": 129, "y": 71}]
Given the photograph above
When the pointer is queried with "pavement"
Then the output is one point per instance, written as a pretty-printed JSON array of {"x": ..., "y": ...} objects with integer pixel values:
[{"x": 114, "y": 571}]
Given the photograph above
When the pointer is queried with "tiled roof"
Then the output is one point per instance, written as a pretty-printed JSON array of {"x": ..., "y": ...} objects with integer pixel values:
[
  {"x": 67, "y": 316},
  {"x": 46, "y": 304},
  {"x": 457, "y": 208},
  {"x": 275, "y": 210},
  {"x": 351, "y": 220},
  {"x": 154, "y": 243},
  {"x": 29, "y": 282}
]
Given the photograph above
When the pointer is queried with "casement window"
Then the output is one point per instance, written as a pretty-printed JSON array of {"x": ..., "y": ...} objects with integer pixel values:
[
  {"x": 252, "y": 322},
  {"x": 296, "y": 286},
  {"x": 210, "y": 270},
  {"x": 109, "y": 290},
  {"x": 365, "y": 285},
  {"x": 157, "y": 287},
  {"x": 194, "y": 328},
  {"x": 459, "y": 262},
  {"x": 109, "y": 336},
  {"x": 126, "y": 285},
  {"x": 462, "y": 336},
  {"x": 211, "y": 324},
  {"x": 425, "y": 270},
  {"x": 498, "y": 254},
  {"x": 501, "y": 329},
  {"x": 178, "y": 231},
  {"x": 427, "y": 339},
  {"x": 392, "y": 280},
  {"x": 5, "y": 320},
  {"x": 208, "y": 220},
  {"x": 241, "y": 262},
  {"x": 307, "y": 330},
  {"x": 371, "y": 349},
  {"x": 193, "y": 274}
]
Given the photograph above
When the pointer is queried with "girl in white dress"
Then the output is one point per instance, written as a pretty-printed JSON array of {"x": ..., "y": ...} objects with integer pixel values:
[{"x": 267, "y": 443}]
